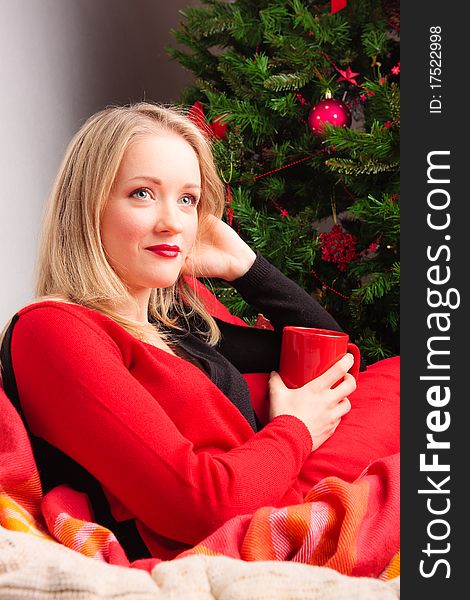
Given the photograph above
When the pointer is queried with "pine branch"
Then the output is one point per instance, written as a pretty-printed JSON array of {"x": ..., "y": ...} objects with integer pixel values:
[
  {"x": 379, "y": 285},
  {"x": 204, "y": 86},
  {"x": 275, "y": 18},
  {"x": 241, "y": 113},
  {"x": 257, "y": 68},
  {"x": 193, "y": 63},
  {"x": 280, "y": 153},
  {"x": 246, "y": 29},
  {"x": 287, "y": 242},
  {"x": 234, "y": 80},
  {"x": 229, "y": 155},
  {"x": 272, "y": 187},
  {"x": 379, "y": 143},
  {"x": 372, "y": 349},
  {"x": 323, "y": 27},
  {"x": 204, "y": 22},
  {"x": 287, "y": 81},
  {"x": 394, "y": 102},
  {"x": 382, "y": 215},
  {"x": 384, "y": 101},
  {"x": 286, "y": 106},
  {"x": 375, "y": 39},
  {"x": 347, "y": 166}
]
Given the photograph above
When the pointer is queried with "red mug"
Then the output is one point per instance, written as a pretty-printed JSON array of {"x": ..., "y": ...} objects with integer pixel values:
[{"x": 307, "y": 352}]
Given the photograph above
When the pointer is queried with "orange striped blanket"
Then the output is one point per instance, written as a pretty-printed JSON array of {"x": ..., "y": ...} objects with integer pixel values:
[{"x": 350, "y": 527}]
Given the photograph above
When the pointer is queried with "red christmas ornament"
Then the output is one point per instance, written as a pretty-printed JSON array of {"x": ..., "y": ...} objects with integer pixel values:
[
  {"x": 196, "y": 114},
  {"x": 328, "y": 111},
  {"x": 215, "y": 129},
  {"x": 337, "y": 5},
  {"x": 219, "y": 128}
]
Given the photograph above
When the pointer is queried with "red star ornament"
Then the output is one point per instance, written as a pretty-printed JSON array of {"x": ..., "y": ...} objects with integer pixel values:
[{"x": 348, "y": 75}]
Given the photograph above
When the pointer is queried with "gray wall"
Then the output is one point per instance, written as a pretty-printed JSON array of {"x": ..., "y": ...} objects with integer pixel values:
[{"x": 60, "y": 61}]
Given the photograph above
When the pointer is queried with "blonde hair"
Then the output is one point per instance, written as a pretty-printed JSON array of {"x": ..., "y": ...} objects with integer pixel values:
[{"x": 72, "y": 263}]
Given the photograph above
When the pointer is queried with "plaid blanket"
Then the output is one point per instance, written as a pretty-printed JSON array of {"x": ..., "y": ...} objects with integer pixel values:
[{"x": 350, "y": 527}]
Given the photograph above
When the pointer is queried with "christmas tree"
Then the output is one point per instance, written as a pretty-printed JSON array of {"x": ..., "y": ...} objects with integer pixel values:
[{"x": 302, "y": 104}]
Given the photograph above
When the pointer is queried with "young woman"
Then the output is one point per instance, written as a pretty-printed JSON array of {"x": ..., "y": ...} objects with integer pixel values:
[{"x": 131, "y": 390}]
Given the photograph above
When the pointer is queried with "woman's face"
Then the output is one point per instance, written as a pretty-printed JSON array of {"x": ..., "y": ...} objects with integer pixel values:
[{"x": 149, "y": 223}]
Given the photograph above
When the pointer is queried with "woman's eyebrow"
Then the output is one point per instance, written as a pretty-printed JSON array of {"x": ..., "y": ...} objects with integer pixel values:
[{"x": 157, "y": 181}]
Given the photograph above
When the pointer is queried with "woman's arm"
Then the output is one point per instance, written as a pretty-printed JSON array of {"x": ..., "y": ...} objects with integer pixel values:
[
  {"x": 222, "y": 253},
  {"x": 225, "y": 255},
  {"x": 79, "y": 395},
  {"x": 281, "y": 300}
]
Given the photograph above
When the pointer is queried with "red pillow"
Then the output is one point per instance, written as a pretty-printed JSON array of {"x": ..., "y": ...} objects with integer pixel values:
[{"x": 369, "y": 431}]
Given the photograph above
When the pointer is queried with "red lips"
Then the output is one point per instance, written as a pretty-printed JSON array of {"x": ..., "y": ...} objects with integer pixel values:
[{"x": 165, "y": 250}]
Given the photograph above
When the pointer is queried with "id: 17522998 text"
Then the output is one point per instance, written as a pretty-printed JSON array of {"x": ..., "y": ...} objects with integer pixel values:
[{"x": 435, "y": 69}]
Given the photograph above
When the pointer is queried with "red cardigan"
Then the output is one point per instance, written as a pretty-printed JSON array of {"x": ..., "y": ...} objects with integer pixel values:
[{"x": 169, "y": 448}]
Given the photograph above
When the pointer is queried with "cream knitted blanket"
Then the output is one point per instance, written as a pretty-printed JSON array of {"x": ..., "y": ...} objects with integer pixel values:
[{"x": 38, "y": 569}]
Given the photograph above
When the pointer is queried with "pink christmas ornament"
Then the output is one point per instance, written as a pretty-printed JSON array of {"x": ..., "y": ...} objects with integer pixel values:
[{"x": 331, "y": 111}]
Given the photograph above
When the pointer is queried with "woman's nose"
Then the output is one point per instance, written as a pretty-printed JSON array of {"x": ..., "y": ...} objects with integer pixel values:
[{"x": 168, "y": 218}]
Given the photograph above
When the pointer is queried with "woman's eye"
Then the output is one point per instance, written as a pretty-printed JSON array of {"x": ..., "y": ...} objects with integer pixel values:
[
  {"x": 141, "y": 194},
  {"x": 188, "y": 200}
]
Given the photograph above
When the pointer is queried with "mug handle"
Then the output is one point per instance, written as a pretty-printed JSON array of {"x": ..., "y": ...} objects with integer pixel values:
[{"x": 354, "y": 350}]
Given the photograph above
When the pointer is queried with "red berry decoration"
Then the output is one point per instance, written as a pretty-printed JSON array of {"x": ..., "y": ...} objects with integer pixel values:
[
  {"x": 328, "y": 111},
  {"x": 338, "y": 247}
]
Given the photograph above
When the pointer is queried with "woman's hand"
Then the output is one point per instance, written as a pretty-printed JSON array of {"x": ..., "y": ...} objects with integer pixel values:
[
  {"x": 316, "y": 404},
  {"x": 220, "y": 252}
]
